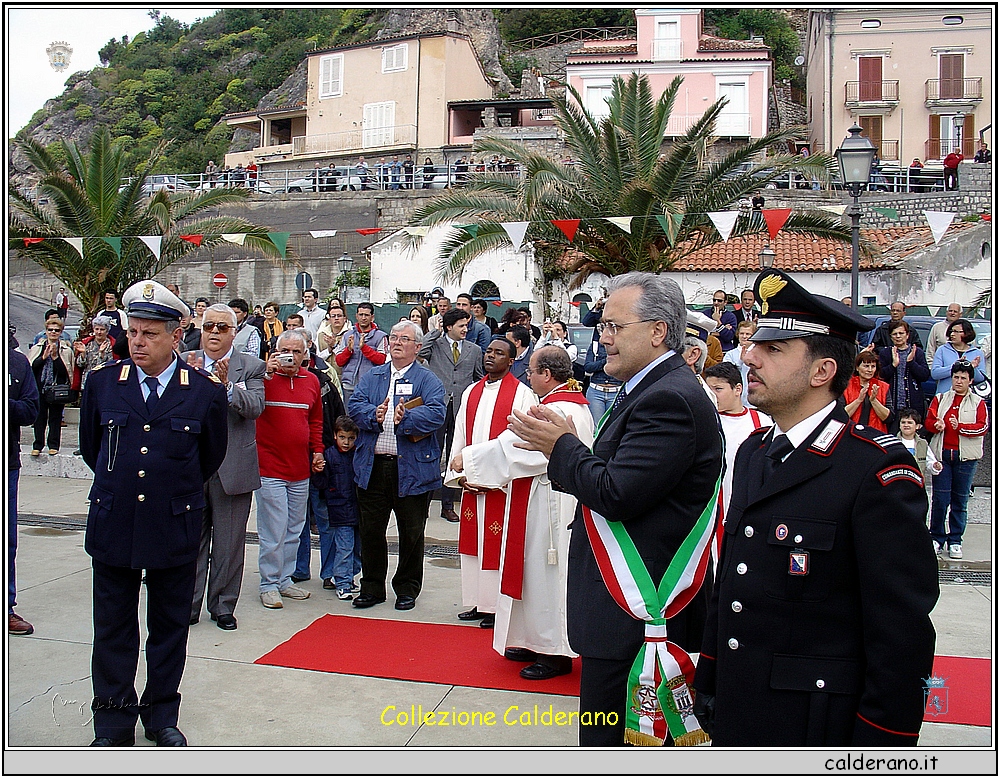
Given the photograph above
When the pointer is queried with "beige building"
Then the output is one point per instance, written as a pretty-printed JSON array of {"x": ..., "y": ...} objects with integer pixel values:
[
  {"x": 387, "y": 96},
  {"x": 917, "y": 80}
]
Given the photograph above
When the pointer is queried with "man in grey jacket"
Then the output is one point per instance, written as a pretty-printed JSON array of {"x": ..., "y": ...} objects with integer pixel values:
[
  {"x": 229, "y": 491},
  {"x": 459, "y": 364}
]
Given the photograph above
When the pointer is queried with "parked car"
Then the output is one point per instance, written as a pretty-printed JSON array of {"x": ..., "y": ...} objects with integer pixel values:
[
  {"x": 170, "y": 183},
  {"x": 257, "y": 184},
  {"x": 336, "y": 179}
]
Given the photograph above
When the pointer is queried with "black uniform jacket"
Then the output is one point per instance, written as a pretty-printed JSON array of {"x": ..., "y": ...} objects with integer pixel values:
[
  {"x": 653, "y": 468},
  {"x": 147, "y": 501},
  {"x": 819, "y": 630}
]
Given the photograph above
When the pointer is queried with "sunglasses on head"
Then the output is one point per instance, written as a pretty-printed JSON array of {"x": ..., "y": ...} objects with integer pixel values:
[{"x": 221, "y": 326}]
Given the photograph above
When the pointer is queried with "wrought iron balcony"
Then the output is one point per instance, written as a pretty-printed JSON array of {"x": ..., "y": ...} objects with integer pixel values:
[
  {"x": 372, "y": 139},
  {"x": 859, "y": 92},
  {"x": 953, "y": 89}
]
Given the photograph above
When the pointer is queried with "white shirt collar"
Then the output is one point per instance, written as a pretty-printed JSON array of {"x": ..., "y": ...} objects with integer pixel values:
[
  {"x": 163, "y": 378},
  {"x": 798, "y": 434},
  {"x": 209, "y": 361},
  {"x": 633, "y": 382}
]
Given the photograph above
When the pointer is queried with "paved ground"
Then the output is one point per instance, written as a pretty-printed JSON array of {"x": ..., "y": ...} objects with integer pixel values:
[{"x": 229, "y": 701}]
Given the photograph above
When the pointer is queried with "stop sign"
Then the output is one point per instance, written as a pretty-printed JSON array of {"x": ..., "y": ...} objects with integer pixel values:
[{"x": 220, "y": 280}]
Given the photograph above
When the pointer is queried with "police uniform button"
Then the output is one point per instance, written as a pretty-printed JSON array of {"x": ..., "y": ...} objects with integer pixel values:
[
  {"x": 146, "y": 427},
  {"x": 859, "y": 426},
  {"x": 142, "y": 473},
  {"x": 798, "y": 538},
  {"x": 187, "y": 507},
  {"x": 142, "y": 497},
  {"x": 741, "y": 568},
  {"x": 734, "y": 643},
  {"x": 187, "y": 428},
  {"x": 737, "y": 606},
  {"x": 820, "y": 683},
  {"x": 143, "y": 450},
  {"x": 748, "y": 531}
]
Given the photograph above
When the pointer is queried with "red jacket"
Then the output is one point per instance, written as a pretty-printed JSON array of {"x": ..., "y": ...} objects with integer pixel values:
[
  {"x": 952, "y": 160},
  {"x": 290, "y": 429}
]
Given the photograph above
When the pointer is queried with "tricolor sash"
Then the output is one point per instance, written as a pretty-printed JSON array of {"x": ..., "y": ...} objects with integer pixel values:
[
  {"x": 512, "y": 578},
  {"x": 660, "y": 698},
  {"x": 495, "y": 499}
]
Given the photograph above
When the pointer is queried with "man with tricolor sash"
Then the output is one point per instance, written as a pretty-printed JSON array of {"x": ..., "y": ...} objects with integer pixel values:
[
  {"x": 482, "y": 416},
  {"x": 531, "y": 612},
  {"x": 640, "y": 542}
]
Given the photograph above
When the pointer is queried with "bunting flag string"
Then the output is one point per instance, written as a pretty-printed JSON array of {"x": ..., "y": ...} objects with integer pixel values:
[
  {"x": 775, "y": 218},
  {"x": 837, "y": 209},
  {"x": 670, "y": 225},
  {"x": 724, "y": 222},
  {"x": 322, "y": 233},
  {"x": 280, "y": 241},
  {"x": 77, "y": 243},
  {"x": 623, "y": 223},
  {"x": 568, "y": 227},
  {"x": 195, "y": 239},
  {"x": 939, "y": 222},
  {"x": 234, "y": 237},
  {"x": 889, "y": 213},
  {"x": 515, "y": 231},
  {"x": 152, "y": 242},
  {"x": 29, "y": 241},
  {"x": 116, "y": 245},
  {"x": 369, "y": 231},
  {"x": 472, "y": 229}
]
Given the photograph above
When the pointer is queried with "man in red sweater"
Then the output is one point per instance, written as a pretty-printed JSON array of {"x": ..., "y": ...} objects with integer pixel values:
[
  {"x": 362, "y": 347},
  {"x": 290, "y": 427},
  {"x": 951, "y": 163}
]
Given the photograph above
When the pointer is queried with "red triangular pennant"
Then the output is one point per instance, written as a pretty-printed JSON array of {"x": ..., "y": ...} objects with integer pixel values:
[
  {"x": 575, "y": 304},
  {"x": 568, "y": 227},
  {"x": 776, "y": 218},
  {"x": 29, "y": 241},
  {"x": 369, "y": 231},
  {"x": 498, "y": 303},
  {"x": 195, "y": 239}
]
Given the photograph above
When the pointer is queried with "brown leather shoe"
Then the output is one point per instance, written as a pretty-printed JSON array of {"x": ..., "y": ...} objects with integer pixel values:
[
  {"x": 449, "y": 514},
  {"x": 18, "y": 626}
]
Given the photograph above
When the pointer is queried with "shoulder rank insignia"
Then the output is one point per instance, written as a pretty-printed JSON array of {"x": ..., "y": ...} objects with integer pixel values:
[
  {"x": 828, "y": 436},
  {"x": 185, "y": 377},
  {"x": 900, "y": 473},
  {"x": 887, "y": 440},
  {"x": 123, "y": 375}
]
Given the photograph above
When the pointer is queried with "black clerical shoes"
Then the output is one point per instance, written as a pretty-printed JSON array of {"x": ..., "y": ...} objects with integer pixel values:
[
  {"x": 520, "y": 655},
  {"x": 367, "y": 600},
  {"x": 473, "y": 615},
  {"x": 489, "y": 619},
  {"x": 405, "y": 603},
  {"x": 168, "y": 736},
  {"x": 110, "y": 742},
  {"x": 225, "y": 621},
  {"x": 547, "y": 667}
]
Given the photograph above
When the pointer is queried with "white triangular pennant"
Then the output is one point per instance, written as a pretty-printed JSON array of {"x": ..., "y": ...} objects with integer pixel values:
[
  {"x": 724, "y": 222},
  {"x": 76, "y": 243},
  {"x": 234, "y": 237},
  {"x": 622, "y": 222},
  {"x": 515, "y": 231},
  {"x": 153, "y": 242},
  {"x": 939, "y": 222},
  {"x": 322, "y": 233},
  {"x": 420, "y": 232},
  {"x": 837, "y": 209}
]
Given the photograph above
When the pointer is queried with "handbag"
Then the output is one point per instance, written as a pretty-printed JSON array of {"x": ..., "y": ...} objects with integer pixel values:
[
  {"x": 983, "y": 389},
  {"x": 57, "y": 394}
]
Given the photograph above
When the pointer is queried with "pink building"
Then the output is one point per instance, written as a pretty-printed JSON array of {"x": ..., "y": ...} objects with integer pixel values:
[{"x": 669, "y": 42}]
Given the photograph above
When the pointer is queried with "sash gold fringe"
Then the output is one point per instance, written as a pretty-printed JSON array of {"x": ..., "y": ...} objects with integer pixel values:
[
  {"x": 696, "y": 738},
  {"x": 636, "y": 738}
]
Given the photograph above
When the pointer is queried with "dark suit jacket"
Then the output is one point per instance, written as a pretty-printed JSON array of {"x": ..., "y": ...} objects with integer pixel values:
[
  {"x": 835, "y": 576},
  {"x": 455, "y": 377},
  {"x": 147, "y": 501},
  {"x": 239, "y": 471},
  {"x": 654, "y": 468}
]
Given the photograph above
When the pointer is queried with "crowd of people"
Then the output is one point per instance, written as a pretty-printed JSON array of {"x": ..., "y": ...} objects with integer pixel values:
[{"x": 669, "y": 451}]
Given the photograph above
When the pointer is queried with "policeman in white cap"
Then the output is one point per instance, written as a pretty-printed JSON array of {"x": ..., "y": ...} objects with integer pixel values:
[
  {"x": 153, "y": 430},
  {"x": 819, "y": 631}
]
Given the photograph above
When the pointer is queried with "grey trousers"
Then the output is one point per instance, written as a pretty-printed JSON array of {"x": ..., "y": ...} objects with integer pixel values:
[{"x": 223, "y": 541}]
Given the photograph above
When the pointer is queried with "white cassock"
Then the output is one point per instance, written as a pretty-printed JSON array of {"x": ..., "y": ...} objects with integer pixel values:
[
  {"x": 538, "y": 620},
  {"x": 481, "y": 588},
  {"x": 736, "y": 428}
]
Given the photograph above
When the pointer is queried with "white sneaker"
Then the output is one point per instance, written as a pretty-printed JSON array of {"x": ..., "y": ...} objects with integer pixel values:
[
  {"x": 295, "y": 593},
  {"x": 271, "y": 599},
  {"x": 344, "y": 594},
  {"x": 955, "y": 551},
  {"x": 937, "y": 547}
]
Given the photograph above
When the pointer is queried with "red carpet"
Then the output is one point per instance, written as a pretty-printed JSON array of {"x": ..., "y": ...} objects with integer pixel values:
[
  {"x": 966, "y": 697},
  {"x": 410, "y": 651}
]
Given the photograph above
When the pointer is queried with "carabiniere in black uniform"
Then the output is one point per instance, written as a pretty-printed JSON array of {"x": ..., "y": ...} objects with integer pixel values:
[
  {"x": 819, "y": 631},
  {"x": 145, "y": 514}
]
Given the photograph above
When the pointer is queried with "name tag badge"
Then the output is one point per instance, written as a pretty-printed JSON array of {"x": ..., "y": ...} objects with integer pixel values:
[
  {"x": 404, "y": 390},
  {"x": 798, "y": 563},
  {"x": 241, "y": 384}
]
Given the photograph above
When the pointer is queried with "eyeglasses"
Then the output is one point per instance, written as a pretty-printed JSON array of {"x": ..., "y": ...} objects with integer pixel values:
[
  {"x": 718, "y": 300},
  {"x": 221, "y": 326},
  {"x": 400, "y": 339},
  {"x": 614, "y": 327},
  {"x": 52, "y": 329}
]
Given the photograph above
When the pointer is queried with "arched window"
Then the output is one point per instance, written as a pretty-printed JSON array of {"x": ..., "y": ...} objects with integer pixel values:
[{"x": 486, "y": 290}]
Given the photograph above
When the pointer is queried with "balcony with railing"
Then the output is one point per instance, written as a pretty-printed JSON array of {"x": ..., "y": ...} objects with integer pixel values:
[
  {"x": 871, "y": 93},
  {"x": 939, "y": 148},
  {"x": 667, "y": 49},
  {"x": 946, "y": 91},
  {"x": 888, "y": 150},
  {"x": 400, "y": 136}
]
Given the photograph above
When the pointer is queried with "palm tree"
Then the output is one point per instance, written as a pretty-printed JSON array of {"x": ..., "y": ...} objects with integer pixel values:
[
  {"x": 86, "y": 199},
  {"x": 620, "y": 171}
]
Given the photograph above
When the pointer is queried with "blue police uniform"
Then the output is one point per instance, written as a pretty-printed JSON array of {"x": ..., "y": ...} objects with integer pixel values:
[{"x": 146, "y": 508}]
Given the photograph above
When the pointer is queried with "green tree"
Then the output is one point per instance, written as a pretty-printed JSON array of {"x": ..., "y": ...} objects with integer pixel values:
[
  {"x": 620, "y": 172},
  {"x": 86, "y": 199}
]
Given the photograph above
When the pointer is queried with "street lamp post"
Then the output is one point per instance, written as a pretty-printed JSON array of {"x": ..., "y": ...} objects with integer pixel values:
[
  {"x": 344, "y": 265},
  {"x": 855, "y": 156},
  {"x": 766, "y": 257}
]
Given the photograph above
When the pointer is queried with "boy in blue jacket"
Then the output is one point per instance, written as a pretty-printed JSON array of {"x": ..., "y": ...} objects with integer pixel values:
[{"x": 342, "y": 505}]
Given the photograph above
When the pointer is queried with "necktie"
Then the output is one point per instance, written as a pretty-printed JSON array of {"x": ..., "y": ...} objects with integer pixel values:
[
  {"x": 153, "y": 397},
  {"x": 454, "y": 352},
  {"x": 777, "y": 450},
  {"x": 619, "y": 399}
]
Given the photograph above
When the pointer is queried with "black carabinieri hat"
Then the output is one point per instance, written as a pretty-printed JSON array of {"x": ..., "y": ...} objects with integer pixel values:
[{"x": 788, "y": 311}]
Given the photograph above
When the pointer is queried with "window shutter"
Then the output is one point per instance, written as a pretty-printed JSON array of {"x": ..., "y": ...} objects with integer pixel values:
[
  {"x": 330, "y": 76},
  {"x": 969, "y": 135}
]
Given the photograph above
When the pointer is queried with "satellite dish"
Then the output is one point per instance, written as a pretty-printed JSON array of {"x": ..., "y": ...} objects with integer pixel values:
[{"x": 800, "y": 61}]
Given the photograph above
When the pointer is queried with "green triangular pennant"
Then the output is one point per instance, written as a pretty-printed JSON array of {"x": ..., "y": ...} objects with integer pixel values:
[
  {"x": 670, "y": 225},
  {"x": 280, "y": 241},
  {"x": 115, "y": 243},
  {"x": 889, "y": 213},
  {"x": 472, "y": 229}
]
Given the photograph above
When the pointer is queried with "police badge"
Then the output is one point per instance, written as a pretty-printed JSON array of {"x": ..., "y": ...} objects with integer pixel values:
[
  {"x": 935, "y": 696},
  {"x": 59, "y": 53}
]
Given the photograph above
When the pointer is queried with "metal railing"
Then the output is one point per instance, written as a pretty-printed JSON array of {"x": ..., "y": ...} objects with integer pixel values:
[
  {"x": 667, "y": 49},
  {"x": 939, "y": 148},
  {"x": 400, "y": 135},
  {"x": 733, "y": 124},
  {"x": 954, "y": 89},
  {"x": 889, "y": 150},
  {"x": 871, "y": 92},
  {"x": 567, "y": 36}
]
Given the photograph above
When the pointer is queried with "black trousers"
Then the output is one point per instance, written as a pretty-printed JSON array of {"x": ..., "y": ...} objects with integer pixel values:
[
  {"x": 116, "y": 646},
  {"x": 375, "y": 504},
  {"x": 50, "y": 416},
  {"x": 446, "y": 438}
]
